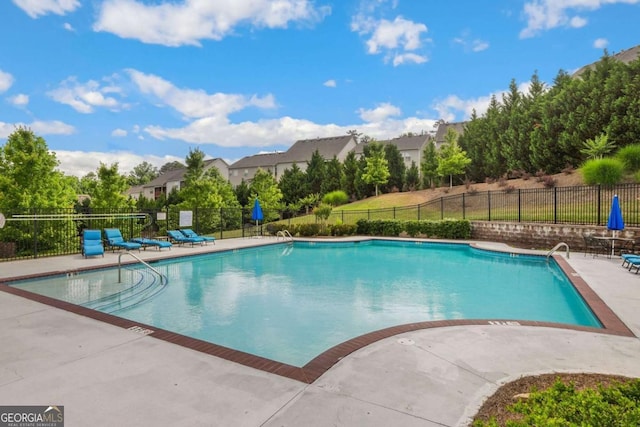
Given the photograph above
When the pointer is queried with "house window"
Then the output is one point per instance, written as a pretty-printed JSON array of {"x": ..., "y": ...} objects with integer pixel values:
[
  {"x": 235, "y": 173},
  {"x": 246, "y": 172}
]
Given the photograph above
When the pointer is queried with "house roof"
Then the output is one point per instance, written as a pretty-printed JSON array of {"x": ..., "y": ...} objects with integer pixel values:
[
  {"x": 444, "y": 127},
  {"x": 258, "y": 160},
  {"x": 177, "y": 175},
  {"x": 625, "y": 56},
  {"x": 403, "y": 143},
  {"x": 303, "y": 149}
]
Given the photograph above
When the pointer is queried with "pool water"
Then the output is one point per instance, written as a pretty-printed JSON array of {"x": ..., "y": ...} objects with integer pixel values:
[{"x": 292, "y": 302}]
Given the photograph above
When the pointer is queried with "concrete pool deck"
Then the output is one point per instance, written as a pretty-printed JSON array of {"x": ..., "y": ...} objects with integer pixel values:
[{"x": 107, "y": 375}]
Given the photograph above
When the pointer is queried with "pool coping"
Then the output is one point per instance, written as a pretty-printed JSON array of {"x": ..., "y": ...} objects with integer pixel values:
[{"x": 310, "y": 372}]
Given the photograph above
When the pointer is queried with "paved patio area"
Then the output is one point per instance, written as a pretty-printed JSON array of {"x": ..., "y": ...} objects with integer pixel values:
[{"x": 105, "y": 375}]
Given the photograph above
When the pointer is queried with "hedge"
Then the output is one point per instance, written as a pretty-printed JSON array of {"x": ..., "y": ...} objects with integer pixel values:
[{"x": 445, "y": 229}]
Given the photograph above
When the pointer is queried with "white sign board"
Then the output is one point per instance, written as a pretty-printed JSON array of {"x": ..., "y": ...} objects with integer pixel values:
[
  {"x": 186, "y": 218},
  {"x": 2, "y": 220},
  {"x": 162, "y": 216}
]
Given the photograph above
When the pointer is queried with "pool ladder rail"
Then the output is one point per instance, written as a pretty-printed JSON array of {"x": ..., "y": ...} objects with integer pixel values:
[
  {"x": 284, "y": 234},
  {"x": 556, "y": 247},
  {"x": 146, "y": 264}
]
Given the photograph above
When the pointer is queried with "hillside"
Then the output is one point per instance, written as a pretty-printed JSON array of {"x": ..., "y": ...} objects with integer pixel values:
[{"x": 412, "y": 198}]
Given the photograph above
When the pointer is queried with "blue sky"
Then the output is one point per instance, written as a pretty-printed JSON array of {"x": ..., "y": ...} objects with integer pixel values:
[{"x": 129, "y": 81}]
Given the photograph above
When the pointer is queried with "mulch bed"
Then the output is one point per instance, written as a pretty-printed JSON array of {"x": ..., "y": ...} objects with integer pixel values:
[{"x": 496, "y": 405}]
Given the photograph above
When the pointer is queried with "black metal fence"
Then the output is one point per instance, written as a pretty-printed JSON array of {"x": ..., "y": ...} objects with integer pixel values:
[{"x": 46, "y": 232}]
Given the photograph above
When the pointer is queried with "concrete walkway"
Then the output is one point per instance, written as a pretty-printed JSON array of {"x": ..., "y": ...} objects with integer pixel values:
[{"x": 105, "y": 375}]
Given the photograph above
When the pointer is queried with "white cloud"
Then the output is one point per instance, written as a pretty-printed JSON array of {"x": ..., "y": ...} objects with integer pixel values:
[
  {"x": 85, "y": 97},
  {"x": 475, "y": 45},
  {"x": 542, "y": 15},
  {"x": 207, "y": 117},
  {"x": 54, "y": 127},
  {"x": 19, "y": 100},
  {"x": 395, "y": 39},
  {"x": 36, "y": 8},
  {"x": 80, "y": 163},
  {"x": 600, "y": 43},
  {"x": 330, "y": 83},
  {"x": 119, "y": 133},
  {"x": 406, "y": 58},
  {"x": 453, "y": 108},
  {"x": 6, "y": 80},
  {"x": 197, "y": 103},
  {"x": 69, "y": 27},
  {"x": 577, "y": 22},
  {"x": 188, "y": 22},
  {"x": 380, "y": 113}
]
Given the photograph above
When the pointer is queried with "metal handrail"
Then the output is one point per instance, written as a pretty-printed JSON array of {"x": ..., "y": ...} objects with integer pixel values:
[
  {"x": 146, "y": 264},
  {"x": 556, "y": 247},
  {"x": 285, "y": 235}
]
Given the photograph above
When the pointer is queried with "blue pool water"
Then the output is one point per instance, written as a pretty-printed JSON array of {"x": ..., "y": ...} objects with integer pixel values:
[{"x": 292, "y": 302}]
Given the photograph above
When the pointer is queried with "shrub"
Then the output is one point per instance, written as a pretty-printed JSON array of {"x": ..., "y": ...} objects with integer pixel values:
[
  {"x": 308, "y": 230},
  {"x": 630, "y": 157},
  {"x": 540, "y": 175},
  {"x": 568, "y": 170},
  {"x": 322, "y": 211},
  {"x": 606, "y": 171},
  {"x": 343, "y": 229},
  {"x": 563, "y": 405},
  {"x": 335, "y": 198},
  {"x": 502, "y": 182},
  {"x": 549, "y": 181},
  {"x": 446, "y": 229},
  {"x": 526, "y": 176}
]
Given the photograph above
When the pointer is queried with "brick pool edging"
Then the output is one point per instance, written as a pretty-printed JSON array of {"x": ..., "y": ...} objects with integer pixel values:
[{"x": 323, "y": 362}]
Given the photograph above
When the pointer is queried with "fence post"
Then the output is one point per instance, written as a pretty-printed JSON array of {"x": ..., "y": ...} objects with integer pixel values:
[
  {"x": 419, "y": 206},
  {"x": 342, "y": 216},
  {"x": 441, "y": 207},
  {"x": 35, "y": 234},
  {"x": 519, "y": 206},
  {"x": 463, "y": 208},
  {"x": 394, "y": 212},
  {"x": 489, "y": 205},
  {"x": 599, "y": 201},
  {"x": 221, "y": 222},
  {"x": 555, "y": 205}
]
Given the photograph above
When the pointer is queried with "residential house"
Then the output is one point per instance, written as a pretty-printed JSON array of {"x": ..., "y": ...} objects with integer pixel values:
[
  {"x": 169, "y": 180},
  {"x": 443, "y": 128},
  {"x": 300, "y": 152},
  {"x": 247, "y": 167}
]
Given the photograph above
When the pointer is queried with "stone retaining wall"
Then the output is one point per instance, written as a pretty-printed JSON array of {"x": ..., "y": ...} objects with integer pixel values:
[{"x": 541, "y": 236}]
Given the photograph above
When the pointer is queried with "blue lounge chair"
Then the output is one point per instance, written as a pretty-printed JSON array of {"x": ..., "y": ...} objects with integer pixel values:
[
  {"x": 92, "y": 243},
  {"x": 180, "y": 238},
  {"x": 190, "y": 233},
  {"x": 152, "y": 242},
  {"x": 115, "y": 240}
]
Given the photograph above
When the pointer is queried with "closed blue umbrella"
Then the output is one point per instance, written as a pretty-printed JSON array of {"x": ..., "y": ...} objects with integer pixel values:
[
  {"x": 615, "y": 222},
  {"x": 256, "y": 212}
]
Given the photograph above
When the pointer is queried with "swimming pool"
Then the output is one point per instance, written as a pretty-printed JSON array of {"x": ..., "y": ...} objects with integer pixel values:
[{"x": 292, "y": 302}]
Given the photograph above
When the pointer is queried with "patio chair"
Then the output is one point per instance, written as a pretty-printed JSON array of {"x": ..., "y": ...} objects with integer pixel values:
[
  {"x": 115, "y": 240},
  {"x": 152, "y": 242},
  {"x": 92, "y": 243},
  {"x": 179, "y": 238},
  {"x": 595, "y": 246},
  {"x": 190, "y": 233}
]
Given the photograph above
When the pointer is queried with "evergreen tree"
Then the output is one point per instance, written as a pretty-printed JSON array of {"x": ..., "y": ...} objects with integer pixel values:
[
  {"x": 293, "y": 185},
  {"x": 243, "y": 193},
  {"x": 412, "y": 180},
  {"x": 333, "y": 176},
  {"x": 350, "y": 168},
  {"x": 397, "y": 168},
  {"x": 316, "y": 172}
]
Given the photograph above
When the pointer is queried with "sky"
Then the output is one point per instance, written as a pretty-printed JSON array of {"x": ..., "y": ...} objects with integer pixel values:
[{"x": 129, "y": 81}]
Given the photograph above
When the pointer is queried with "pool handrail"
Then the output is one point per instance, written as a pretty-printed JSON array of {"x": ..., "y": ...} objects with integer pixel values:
[
  {"x": 146, "y": 264},
  {"x": 284, "y": 234},
  {"x": 556, "y": 247}
]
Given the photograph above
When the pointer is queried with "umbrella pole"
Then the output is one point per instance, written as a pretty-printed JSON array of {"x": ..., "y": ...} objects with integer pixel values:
[{"x": 613, "y": 244}]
